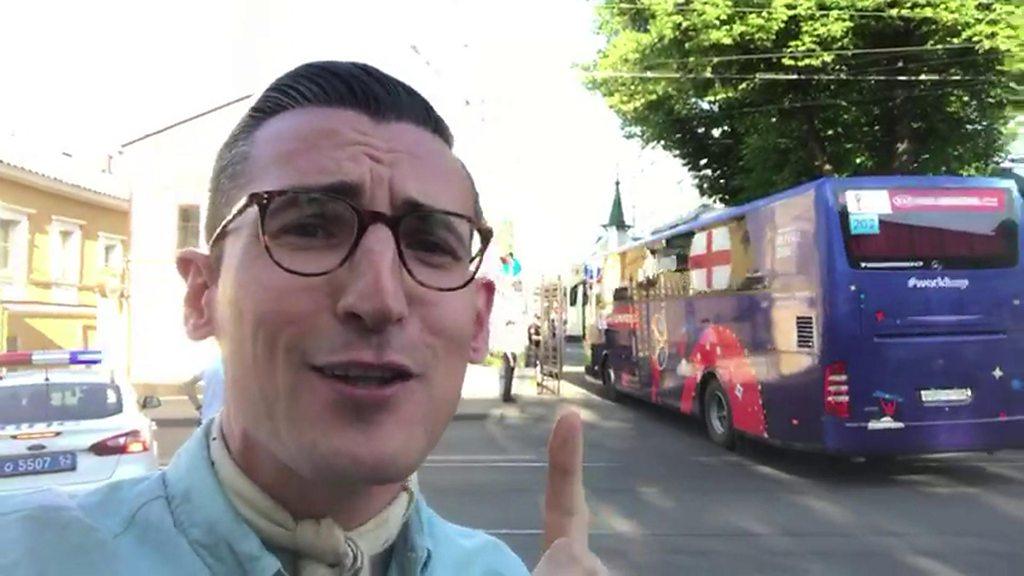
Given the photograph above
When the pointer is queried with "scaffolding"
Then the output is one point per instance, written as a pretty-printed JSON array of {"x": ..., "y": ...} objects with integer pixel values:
[{"x": 552, "y": 342}]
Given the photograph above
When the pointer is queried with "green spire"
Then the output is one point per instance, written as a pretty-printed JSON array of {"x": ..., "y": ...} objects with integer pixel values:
[{"x": 617, "y": 219}]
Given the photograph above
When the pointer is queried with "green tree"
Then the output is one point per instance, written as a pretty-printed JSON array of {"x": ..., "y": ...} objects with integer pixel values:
[{"x": 756, "y": 95}]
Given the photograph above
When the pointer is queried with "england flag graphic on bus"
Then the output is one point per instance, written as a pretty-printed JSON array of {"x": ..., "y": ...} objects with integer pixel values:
[{"x": 711, "y": 260}]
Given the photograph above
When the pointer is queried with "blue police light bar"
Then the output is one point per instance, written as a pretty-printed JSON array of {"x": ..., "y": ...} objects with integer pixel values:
[{"x": 51, "y": 358}]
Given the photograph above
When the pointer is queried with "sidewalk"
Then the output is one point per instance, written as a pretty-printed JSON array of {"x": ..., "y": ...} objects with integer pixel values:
[
  {"x": 480, "y": 394},
  {"x": 481, "y": 397}
]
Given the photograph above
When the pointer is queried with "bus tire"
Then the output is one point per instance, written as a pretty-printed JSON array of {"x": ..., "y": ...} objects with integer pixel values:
[
  {"x": 718, "y": 416},
  {"x": 608, "y": 380}
]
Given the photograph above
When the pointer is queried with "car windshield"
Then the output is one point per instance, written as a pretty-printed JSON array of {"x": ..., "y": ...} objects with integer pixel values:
[{"x": 58, "y": 402}]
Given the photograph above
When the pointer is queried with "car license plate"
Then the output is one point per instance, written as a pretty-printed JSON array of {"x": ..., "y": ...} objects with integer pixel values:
[
  {"x": 46, "y": 463},
  {"x": 945, "y": 395}
]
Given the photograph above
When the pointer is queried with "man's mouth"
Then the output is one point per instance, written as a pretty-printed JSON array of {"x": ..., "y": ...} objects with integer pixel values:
[{"x": 365, "y": 375}]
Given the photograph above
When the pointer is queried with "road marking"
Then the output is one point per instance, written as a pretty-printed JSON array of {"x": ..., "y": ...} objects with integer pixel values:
[
  {"x": 535, "y": 532},
  {"x": 479, "y": 457},
  {"x": 499, "y": 464}
]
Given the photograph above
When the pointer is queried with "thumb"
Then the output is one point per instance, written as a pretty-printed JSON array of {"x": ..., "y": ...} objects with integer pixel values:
[{"x": 565, "y": 506}]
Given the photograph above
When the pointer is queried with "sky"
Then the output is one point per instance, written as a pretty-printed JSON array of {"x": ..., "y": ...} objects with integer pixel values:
[{"x": 544, "y": 151}]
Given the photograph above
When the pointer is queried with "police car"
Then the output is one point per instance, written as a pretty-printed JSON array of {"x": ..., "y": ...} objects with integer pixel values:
[{"x": 67, "y": 425}]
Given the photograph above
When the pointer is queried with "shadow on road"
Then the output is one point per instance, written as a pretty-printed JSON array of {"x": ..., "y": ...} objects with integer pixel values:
[{"x": 964, "y": 469}]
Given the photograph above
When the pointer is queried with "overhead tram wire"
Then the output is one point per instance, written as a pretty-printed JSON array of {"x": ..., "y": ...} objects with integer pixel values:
[
  {"x": 758, "y": 10},
  {"x": 936, "y": 62},
  {"x": 843, "y": 102},
  {"x": 782, "y": 76},
  {"x": 837, "y": 102},
  {"x": 811, "y": 53}
]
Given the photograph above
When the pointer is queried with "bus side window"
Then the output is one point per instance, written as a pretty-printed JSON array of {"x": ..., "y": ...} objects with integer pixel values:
[
  {"x": 746, "y": 275},
  {"x": 621, "y": 294},
  {"x": 673, "y": 265},
  {"x": 679, "y": 246},
  {"x": 574, "y": 294}
]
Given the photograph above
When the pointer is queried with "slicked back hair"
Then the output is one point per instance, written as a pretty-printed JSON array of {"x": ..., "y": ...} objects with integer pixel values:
[{"x": 329, "y": 84}]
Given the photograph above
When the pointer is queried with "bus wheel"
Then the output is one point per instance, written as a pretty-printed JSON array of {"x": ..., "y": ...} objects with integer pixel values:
[
  {"x": 718, "y": 416},
  {"x": 608, "y": 380}
]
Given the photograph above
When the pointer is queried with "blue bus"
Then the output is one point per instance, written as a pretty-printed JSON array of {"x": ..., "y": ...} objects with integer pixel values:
[{"x": 867, "y": 316}]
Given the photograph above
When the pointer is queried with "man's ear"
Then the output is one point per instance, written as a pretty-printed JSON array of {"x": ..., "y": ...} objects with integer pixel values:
[
  {"x": 480, "y": 345},
  {"x": 198, "y": 272}
]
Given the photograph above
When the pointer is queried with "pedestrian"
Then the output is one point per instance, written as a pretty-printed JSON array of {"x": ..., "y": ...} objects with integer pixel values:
[
  {"x": 212, "y": 378},
  {"x": 506, "y": 337},
  {"x": 345, "y": 238},
  {"x": 533, "y": 341}
]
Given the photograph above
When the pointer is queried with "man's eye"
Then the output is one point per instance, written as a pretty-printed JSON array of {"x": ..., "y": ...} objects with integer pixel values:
[
  {"x": 308, "y": 230},
  {"x": 433, "y": 246}
]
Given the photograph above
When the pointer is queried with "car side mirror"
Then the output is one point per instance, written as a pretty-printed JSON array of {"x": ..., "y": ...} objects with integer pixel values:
[{"x": 150, "y": 402}]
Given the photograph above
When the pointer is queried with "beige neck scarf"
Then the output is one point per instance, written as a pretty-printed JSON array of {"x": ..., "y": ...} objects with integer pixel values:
[{"x": 321, "y": 547}]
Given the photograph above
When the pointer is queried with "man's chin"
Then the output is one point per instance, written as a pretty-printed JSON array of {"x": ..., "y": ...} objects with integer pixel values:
[{"x": 374, "y": 469}]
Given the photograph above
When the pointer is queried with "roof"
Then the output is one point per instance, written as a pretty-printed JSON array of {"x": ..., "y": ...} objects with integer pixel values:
[
  {"x": 716, "y": 217},
  {"x": 616, "y": 219},
  {"x": 689, "y": 216},
  {"x": 62, "y": 173}
]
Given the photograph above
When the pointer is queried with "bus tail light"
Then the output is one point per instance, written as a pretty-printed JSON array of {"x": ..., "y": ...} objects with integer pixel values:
[
  {"x": 128, "y": 443},
  {"x": 837, "y": 390}
]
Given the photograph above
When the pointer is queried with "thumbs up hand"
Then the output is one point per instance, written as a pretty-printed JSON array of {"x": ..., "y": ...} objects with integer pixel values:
[{"x": 566, "y": 517}]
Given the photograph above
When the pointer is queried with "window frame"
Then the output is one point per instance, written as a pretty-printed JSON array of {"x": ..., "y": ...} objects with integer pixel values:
[
  {"x": 180, "y": 240},
  {"x": 58, "y": 263},
  {"x": 16, "y": 272},
  {"x": 103, "y": 241}
]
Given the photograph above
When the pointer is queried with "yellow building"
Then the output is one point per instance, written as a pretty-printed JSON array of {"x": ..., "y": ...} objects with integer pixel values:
[{"x": 62, "y": 262}]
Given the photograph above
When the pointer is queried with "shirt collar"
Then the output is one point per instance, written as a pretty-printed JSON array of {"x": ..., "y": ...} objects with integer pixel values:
[
  {"x": 225, "y": 543},
  {"x": 412, "y": 549},
  {"x": 205, "y": 516}
]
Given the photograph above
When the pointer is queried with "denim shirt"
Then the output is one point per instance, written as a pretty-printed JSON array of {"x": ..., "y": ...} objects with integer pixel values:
[{"x": 179, "y": 521}]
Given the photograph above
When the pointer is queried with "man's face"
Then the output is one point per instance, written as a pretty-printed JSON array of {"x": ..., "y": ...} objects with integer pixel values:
[{"x": 282, "y": 334}]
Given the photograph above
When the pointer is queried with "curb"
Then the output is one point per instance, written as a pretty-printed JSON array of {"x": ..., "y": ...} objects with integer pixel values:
[
  {"x": 476, "y": 408},
  {"x": 177, "y": 422},
  {"x": 159, "y": 389},
  {"x": 471, "y": 416}
]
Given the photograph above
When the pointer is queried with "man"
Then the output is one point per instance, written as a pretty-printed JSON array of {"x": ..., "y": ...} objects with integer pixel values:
[
  {"x": 506, "y": 336},
  {"x": 533, "y": 348},
  {"x": 341, "y": 286},
  {"x": 510, "y": 266},
  {"x": 212, "y": 378}
]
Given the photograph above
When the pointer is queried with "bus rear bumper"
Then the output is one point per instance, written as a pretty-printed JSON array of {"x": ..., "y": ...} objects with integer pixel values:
[{"x": 906, "y": 438}]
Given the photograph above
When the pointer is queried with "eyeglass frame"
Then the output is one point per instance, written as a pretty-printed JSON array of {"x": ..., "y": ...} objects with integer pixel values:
[{"x": 364, "y": 219}]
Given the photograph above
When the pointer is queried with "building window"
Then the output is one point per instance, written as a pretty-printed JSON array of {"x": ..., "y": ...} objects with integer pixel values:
[
  {"x": 66, "y": 250},
  {"x": 188, "y": 226},
  {"x": 13, "y": 244},
  {"x": 7, "y": 230},
  {"x": 111, "y": 253}
]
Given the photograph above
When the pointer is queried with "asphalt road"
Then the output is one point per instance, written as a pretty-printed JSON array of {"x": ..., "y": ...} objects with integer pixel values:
[{"x": 666, "y": 501}]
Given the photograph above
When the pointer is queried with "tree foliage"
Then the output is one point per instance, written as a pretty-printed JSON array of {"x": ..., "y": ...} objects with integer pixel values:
[{"x": 757, "y": 95}]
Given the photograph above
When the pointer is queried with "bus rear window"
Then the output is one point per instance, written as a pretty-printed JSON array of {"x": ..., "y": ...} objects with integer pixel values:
[{"x": 945, "y": 228}]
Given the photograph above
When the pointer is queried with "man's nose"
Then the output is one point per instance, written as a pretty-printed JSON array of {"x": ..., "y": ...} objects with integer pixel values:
[{"x": 372, "y": 283}]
